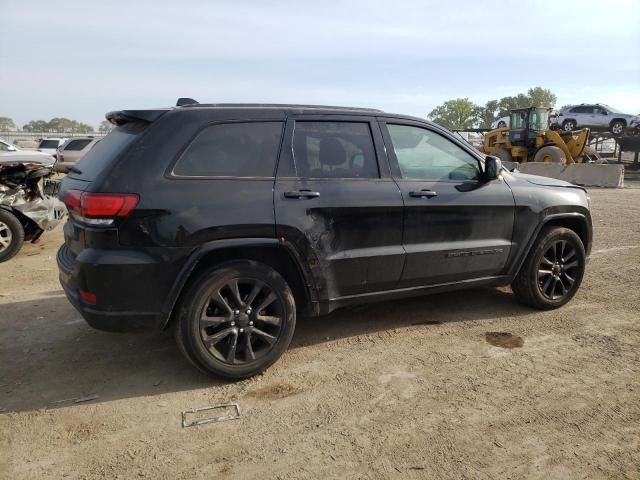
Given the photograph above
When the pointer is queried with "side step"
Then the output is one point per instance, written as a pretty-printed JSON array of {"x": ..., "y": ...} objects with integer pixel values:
[{"x": 584, "y": 174}]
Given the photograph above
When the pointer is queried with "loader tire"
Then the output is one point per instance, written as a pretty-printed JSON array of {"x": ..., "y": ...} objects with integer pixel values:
[
  {"x": 550, "y": 154},
  {"x": 503, "y": 154}
]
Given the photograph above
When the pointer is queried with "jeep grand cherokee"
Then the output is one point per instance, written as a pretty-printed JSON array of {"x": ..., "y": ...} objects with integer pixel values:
[{"x": 226, "y": 222}]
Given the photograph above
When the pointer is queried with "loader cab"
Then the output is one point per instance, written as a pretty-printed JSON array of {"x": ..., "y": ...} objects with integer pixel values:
[{"x": 527, "y": 124}]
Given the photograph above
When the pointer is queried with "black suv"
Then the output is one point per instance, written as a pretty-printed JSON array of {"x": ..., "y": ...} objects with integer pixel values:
[{"x": 228, "y": 221}]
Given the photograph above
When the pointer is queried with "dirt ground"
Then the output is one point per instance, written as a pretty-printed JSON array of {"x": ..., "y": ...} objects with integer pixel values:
[{"x": 461, "y": 385}]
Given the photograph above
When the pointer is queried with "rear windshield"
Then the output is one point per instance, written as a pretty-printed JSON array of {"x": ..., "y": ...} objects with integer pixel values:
[
  {"x": 107, "y": 150},
  {"x": 49, "y": 144},
  {"x": 76, "y": 145}
]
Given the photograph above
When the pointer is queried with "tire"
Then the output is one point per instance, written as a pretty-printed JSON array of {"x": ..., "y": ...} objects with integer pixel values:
[
  {"x": 589, "y": 154},
  {"x": 617, "y": 127},
  {"x": 550, "y": 154},
  {"x": 569, "y": 125},
  {"x": 11, "y": 235},
  {"x": 503, "y": 154},
  {"x": 555, "y": 251},
  {"x": 501, "y": 124},
  {"x": 216, "y": 326}
]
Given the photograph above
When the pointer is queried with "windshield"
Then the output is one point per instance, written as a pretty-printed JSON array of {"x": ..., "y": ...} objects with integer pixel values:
[
  {"x": 612, "y": 110},
  {"x": 538, "y": 119},
  {"x": 518, "y": 120},
  {"x": 102, "y": 155},
  {"x": 48, "y": 144},
  {"x": 7, "y": 147}
]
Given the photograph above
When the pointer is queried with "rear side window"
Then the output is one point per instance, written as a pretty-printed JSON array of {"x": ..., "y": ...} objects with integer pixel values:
[
  {"x": 334, "y": 150},
  {"x": 103, "y": 153},
  {"x": 76, "y": 145},
  {"x": 49, "y": 144},
  {"x": 246, "y": 149}
]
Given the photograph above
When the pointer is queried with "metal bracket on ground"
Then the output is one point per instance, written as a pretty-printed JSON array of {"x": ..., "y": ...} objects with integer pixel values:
[{"x": 214, "y": 419}]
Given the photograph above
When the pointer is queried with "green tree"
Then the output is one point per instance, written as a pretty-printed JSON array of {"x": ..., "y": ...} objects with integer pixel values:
[
  {"x": 38, "y": 126},
  {"x": 454, "y": 114},
  {"x": 488, "y": 114},
  {"x": 7, "y": 124},
  {"x": 541, "y": 97},
  {"x": 105, "y": 126}
]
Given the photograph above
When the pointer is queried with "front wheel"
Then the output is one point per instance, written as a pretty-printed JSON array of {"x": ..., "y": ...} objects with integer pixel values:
[
  {"x": 617, "y": 127},
  {"x": 550, "y": 154},
  {"x": 11, "y": 235},
  {"x": 553, "y": 270},
  {"x": 569, "y": 125},
  {"x": 236, "y": 320}
]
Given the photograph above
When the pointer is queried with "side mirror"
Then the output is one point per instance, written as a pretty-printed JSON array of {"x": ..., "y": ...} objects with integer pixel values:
[{"x": 492, "y": 167}]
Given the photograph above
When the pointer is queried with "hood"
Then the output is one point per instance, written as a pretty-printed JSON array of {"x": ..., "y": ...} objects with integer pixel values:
[
  {"x": 544, "y": 181},
  {"x": 25, "y": 156}
]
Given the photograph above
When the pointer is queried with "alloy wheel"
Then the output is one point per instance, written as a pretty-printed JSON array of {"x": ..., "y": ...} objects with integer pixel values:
[
  {"x": 5, "y": 236},
  {"x": 558, "y": 270},
  {"x": 617, "y": 128},
  {"x": 241, "y": 321}
]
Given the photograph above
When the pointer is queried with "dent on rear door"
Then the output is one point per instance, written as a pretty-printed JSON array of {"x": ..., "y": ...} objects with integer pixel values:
[{"x": 350, "y": 235}]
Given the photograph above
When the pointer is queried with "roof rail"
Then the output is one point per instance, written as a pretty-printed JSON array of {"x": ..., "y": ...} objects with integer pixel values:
[{"x": 280, "y": 105}]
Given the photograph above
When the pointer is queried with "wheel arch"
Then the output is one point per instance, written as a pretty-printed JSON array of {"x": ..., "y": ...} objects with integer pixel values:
[
  {"x": 278, "y": 255},
  {"x": 575, "y": 221}
]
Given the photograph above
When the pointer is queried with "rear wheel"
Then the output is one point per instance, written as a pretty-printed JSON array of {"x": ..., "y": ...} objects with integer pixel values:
[
  {"x": 11, "y": 235},
  {"x": 553, "y": 270},
  {"x": 501, "y": 124},
  {"x": 550, "y": 154},
  {"x": 617, "y": 127},
  {"x": 569, "y": 125},
  {"x": 236, "y": 320}
]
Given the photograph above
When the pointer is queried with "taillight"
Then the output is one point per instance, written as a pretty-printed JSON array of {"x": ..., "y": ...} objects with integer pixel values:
[
  {"x": 99, "y": 208},
  {"x": 60, "y": 157}
]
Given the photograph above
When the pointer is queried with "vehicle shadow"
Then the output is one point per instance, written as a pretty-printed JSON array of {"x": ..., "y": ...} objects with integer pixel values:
[{"x": 49, "y": 357}]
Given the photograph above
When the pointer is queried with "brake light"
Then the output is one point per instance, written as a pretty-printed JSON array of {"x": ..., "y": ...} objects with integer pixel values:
[
  {"x": 60, "y": 157},
  {"x": 99, "y": 208}
]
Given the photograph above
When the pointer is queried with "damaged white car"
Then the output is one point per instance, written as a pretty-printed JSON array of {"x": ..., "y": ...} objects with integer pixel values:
[{"x": 28, "y": 202}]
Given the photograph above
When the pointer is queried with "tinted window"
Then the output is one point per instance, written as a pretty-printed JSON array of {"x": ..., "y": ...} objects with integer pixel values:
[
  {"x": 107, "y": 150},
  {"x": 49, "y": 144},
  {"x": 233, "y": 150},
  {"x": 75, "y": 145},
  {"x": 582, "y": 110},
  {"x": 334, "y": 150},
  {"x": 426, "y": 155}
]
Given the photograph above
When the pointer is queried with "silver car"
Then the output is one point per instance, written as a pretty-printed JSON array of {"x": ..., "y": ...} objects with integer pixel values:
[
  {"x": 596, "y": 116},
  {"x": 72, "y": 151}
]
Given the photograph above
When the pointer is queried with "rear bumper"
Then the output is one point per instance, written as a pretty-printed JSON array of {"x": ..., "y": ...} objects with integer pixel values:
[{"x": 128, "y": 287}]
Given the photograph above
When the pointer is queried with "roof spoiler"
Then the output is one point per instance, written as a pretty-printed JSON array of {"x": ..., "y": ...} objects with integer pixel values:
[{"x": 120, "y": 117}]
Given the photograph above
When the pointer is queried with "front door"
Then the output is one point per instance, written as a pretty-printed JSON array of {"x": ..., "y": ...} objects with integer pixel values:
[
  {"x": 337, "y": 203},
  {"x": 456, "y": 225}
]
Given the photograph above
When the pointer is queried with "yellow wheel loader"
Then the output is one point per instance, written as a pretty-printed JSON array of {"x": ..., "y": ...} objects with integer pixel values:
[{"x": 529, "y": 139}]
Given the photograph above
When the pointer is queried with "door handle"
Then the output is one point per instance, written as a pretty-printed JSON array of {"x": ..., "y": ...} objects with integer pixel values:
[
  {"x": 423, "y": 194},
  {"x": 302, "y": 194}
]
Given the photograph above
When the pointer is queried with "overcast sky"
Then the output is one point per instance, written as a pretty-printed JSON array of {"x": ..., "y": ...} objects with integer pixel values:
[{"x": 82, "y": 59}]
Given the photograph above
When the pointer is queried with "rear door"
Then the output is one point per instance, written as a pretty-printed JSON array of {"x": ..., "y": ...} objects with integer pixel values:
[
  {"x": 337, "y": 203},
  {"x": 456, "y": 226}
]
